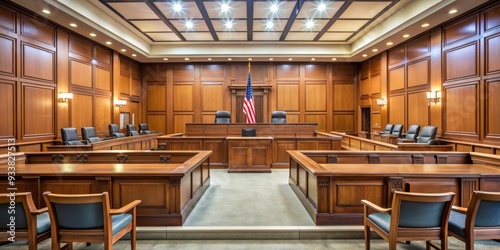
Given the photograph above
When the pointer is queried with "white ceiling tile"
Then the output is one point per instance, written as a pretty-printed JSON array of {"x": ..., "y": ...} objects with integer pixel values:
[
  {"x": 330, "y": 36},
  {"x": 262, "y": 9},
  {"x": 238, "y": 25},
  {"x": 158, "y": 37},
  {"x": 198, "y": 36},
  {"x": 189, "y": 10},
  {"x": 151, "y": 26},
  {"x": 134, "y": 10},
  {"x": 227, "y": 36},
  {"x": 236, "y": 10},
  {"x": 199, "y": 25},
  {"x": 300, "y": 25},
  {"x": 301, "y": 36},
  {"x": 364, "y": 9},
  {"x": 260, "y": 25},
  {"x": 347, "y": 25},
  {"x": 266, "y": 36},
  {"x": 309, "y": 10}
]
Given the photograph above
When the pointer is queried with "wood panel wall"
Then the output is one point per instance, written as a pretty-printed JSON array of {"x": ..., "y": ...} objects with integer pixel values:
[
  {"x": 182, "y": 93},
  {"x": 460, "y": 59},
  {"x": 38, "y": 61}
]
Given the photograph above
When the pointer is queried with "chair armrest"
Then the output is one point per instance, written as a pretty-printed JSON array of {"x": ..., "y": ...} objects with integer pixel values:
[
  {"x": 125, "y": 208},
  {"x": 376, "y": 207},
  {"x": 462, "y": 210}
]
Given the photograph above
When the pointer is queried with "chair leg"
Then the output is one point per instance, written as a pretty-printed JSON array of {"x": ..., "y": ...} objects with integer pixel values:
[{"x": 367, "y": 237}]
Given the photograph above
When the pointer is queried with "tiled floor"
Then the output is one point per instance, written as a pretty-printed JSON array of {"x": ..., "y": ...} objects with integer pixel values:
[{"x": 252, "y": 211}]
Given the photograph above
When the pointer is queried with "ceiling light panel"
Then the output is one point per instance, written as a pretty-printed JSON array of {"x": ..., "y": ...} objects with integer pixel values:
[
  {"x": 347, "y": 25},
  {"x": 134, "y": 10},
  {"x": 151, "y": 26},
  {"x": 238, "y": 25},
  {"x": 300, "y": 25},
  {"x": 310, "y": 9},
  {"x": 189, "y": 10},
  {"x": 261, "y": 25},
  {"x": 198, "y": 25},
  {"x": 364, "y": 9},
  {"x": 237, "y": 9},
  {"x": 261, "y": 10}
]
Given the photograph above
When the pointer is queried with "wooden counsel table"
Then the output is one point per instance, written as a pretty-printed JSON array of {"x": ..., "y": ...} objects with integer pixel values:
[
  {"x": 250, "y": 154},
  {"x": 169, "y": 191},
  {"x": 331, "y": 193}
]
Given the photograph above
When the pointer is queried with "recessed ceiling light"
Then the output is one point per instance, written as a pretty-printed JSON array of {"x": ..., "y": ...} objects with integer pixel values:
[
  {"x": 406, "y": 35},
  {"x": 274, "y": 8},
  {"x": 210, "y": 59},
  {"x": 310, "y": 24},
  {"x": 334, "y": 59},
  {"x": 165, "y": 59},
  {"x": 270, "y": 59},
  {"x": 229, "y": 59},
  {"x": 224, "y": 7},
  {"x": 123, "y": 50},
  {"x": 453, "y": 11},
  {"x": 269, "y": 24},
  {"x": 46, "y": 11},
  {"x": 390, "y": 43},
  {"x": 374, "y": 50},
  {"x": 134, "y": 55},
  {"x": 365, "y": 55},
  {"x": 321, "y": 7},
  {"x": 73, "y": 25},
  {"x": 249, "y": 59},
  {"x": 189, "y": 24},
  {"x": 186, "y": 59},
  {"x": 177, "y": 7},
  {"x": 92, "y": 34},
  {"x": 229, "y": 24},
  {"x": 425, "y": 25},
  {"x": 289, "y": 59},
  {"x": 108, "y": 43},
  {"x": 313, "y": 59}
]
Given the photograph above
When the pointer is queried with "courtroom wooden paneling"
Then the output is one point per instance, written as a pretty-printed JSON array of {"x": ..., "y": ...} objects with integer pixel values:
[
  {"x": 183, "y": 98},
  {"x": 102, "y": 79},
  {"x": 38, "y": 30},
  {"x": 287, "y": 96},
  {"x": 38, "y": 106},
  {"x": 8, "y": 58},
  {"x": 397, "y": 78},
  {"x": 81, "y": 73},
  {"x": 102, "y": 115},
  {"x": 7, "y": 117},
  {"x": 462, "y": 62},
  {"x": 418, "y": 109},
  {"x": 212, "y": 97},
  {"x": 492, "y": 50},
  {"x": 461, "y": 30},
  {"x": 418, "y": 73},
  {"x": 343, "y": 100},
  {"x": 38, "y": 63},
  {"x": 396, "y": 109},
  {"x": 81, "y": 111},
  {"x": 462, "y": 119},
  {"x": 492, "y": 131}
]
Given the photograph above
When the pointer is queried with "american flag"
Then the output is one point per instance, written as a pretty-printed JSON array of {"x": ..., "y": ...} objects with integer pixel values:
[{"x": 248, "y": 105}]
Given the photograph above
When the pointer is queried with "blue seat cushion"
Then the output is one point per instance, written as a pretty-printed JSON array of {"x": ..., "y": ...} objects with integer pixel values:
[
  {"x": 120, "y": 221},
  {"x": 456, "y": 223},
  {"x": 382, "y": 220},
  {"x": 42, "y": 223}
]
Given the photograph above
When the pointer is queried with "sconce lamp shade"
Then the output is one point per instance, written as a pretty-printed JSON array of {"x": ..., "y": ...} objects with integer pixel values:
[
  {"x": 434, "y": 97},
  {"x": 381, "y": 102},
  {"x": 120, "y": 103},
  {"x": 63, "y": 97}
]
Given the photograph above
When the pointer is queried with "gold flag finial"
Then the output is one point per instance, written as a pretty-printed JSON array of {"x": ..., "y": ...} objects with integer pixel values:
[{"x": 249, "y": 66}]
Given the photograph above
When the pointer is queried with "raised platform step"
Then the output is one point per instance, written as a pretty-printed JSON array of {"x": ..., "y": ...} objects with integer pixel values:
[{"x": 249, "y": 232}]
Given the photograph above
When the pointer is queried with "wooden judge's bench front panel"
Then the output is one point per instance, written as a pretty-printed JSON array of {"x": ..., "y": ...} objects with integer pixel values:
[{"x": 289, "y": 136}]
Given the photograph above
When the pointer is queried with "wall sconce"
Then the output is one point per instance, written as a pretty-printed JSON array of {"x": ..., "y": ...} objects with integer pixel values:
[
  {"x": 381, "y": 102},
  {"x": 120, "y": 103},
  {"x": 433, "y": 97},
  {"x": 63, "y": 97}
]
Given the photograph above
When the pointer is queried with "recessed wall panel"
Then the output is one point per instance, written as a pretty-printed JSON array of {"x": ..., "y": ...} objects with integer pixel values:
[
  {"x": 7, "y": 118},
  {"x": 156, "y": 98},
  {"x": 397, "y": 78},
  {"x": 183, "y": 98},
  {"x": 212, "y": 96},
  {"x": 315, "y": 97},
  {"x": 288, "y": 97},
  {"x": 81, "y": 74},
  {"x": 38, "y": 112},
  {"x": 418, "y": 73},
  {"x": 343, "y": 99},
  {"x": 463, "y": 117}
]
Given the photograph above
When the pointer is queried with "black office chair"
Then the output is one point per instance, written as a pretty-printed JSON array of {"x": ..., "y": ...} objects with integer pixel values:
[
  {"x": 89, "y": 136},
  {"x": 411, "y": 134},
  {"x": 397, "y": 130},
  {"x": 388, "y": 128},
  {"x": 70, "y": 136},
  {"x": 248, "y": 132},
  {"x": 143, "y": 129},
  {"x": 278, "y": 116},
  {"x": 428, "y": 135},
  {"x": 222, "y": 116},
  {"x": 114, "y": 131},
  {"x": 131, "y": 130}
]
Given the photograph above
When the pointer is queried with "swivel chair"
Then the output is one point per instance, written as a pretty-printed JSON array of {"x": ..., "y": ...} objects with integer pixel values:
[
  {"x": 143, "y": 129},
  {"x": 70, "y": 136},
  {"x": 278, "y": 116},
  {"x": 114, "y": 132},
  {"x": 411, "y": 134},
  {"x": 397, "y": 130},
  {"x": 248, "y": 132},
  {"x": 222, "y": 116},
  {"x": 131, "y": 130},
  {"x": 89, "y": 136},
  {"x": 427, "y": 135}
]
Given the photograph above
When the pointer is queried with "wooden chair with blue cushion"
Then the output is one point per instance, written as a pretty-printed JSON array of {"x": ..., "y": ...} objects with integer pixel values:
[
  {"x": 480, "y": 220},
  {"x": 413, "y": 216},
  {"x": 89, "y": 218},
  {"x": 31, "y": 224}
]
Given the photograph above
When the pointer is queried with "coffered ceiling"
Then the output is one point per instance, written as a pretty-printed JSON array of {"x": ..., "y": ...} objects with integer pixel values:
[{"x": 259, "y": 30}]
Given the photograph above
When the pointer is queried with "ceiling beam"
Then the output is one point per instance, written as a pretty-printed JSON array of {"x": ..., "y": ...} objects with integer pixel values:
[
  {"x": 205, "y": 16},
  {"x": 292, "y": 18},
  {"x": 164, "y": 19},
  {"x": 249, "y": 20},
  {"x": 333, "y": 20}
]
